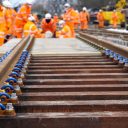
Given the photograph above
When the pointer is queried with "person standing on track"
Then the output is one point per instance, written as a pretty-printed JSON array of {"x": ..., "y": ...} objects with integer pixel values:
[
  {"x": 100, "y": 18},
  {"x": 114, "y": 19},
  {"x": 84, "y": 19},
  {"x": 69, "y": 17}
]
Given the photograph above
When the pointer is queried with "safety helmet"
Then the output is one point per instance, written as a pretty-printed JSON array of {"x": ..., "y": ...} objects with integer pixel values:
[
  {"x": 100, "y": 10},
  {"x": 48, "y": 16},
  {"x": 84, "y": 8},
  {"x": 31, "y": 18},
  {"x": 76, "y": 11},
  {"x": 61, "y": 22},
  {"x": 67, "y": 5},
  {"x": 7, "y": 4}
]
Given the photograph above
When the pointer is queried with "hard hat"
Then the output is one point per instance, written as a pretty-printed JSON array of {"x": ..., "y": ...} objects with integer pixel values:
[
  {"x": 67, "y": 5},
  {"x": 100, "y": 10},
  {"x": 77, "y": 11},
  {"x": 7, "y": 4},
  {"x": 31, "y": 18},
  {"x": 84, "y": 8},
  {"x": 61, "y": 22},
  {"x": 48, "y": 16}
]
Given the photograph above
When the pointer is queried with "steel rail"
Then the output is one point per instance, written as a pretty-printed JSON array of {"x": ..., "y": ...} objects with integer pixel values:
[
  {"x": 8, "y": 64},
  {"x": 108, "y": 33},
  {"x": 105, "y": 44}
]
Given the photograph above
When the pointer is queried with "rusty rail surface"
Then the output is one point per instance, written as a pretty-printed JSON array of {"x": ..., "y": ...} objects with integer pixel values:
[
  {"x": 105, "y": 44},
  {"x": 10, "y": 61}
]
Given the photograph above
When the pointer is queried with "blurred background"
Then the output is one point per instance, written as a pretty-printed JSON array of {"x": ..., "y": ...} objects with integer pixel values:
[{"x": 56, "y": 6}]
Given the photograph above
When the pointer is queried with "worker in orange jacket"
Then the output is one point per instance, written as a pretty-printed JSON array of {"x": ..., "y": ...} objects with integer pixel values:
[
  {"x": 77, "y": 20},
  {"x": 114, "y": 19},
  {"x": 10, "y": 14},
  {"x": 30, "y": 28},
  {"x": 84, "y": 19},
  {"x": 3, "y": 29},
  {"x": 100, "y": 18},
  {"x": 48, "y": 24},
  {"x": 69, "y": 17},
  {"x": 56, "y": 19},
  {"x": 65, "y": 31},
  {"x": 10, "y": 20},
  {"x": 21, "y": 18}
]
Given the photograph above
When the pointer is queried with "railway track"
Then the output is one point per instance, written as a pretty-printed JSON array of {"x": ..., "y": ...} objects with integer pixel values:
[
  {"x": 115, "y": 37},
  {"x": 107, "y": 33},
  {"x": 72, "y": 90}
]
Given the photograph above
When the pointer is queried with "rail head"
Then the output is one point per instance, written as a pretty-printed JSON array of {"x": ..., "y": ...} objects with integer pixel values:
[
  {"x": 8, "y": 64},
  {"x": 108, "y": 33},
  {"x": 106, "y": 44}
]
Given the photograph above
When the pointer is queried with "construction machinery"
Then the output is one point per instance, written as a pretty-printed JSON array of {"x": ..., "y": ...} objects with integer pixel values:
[{"x": 108, "y": 10}]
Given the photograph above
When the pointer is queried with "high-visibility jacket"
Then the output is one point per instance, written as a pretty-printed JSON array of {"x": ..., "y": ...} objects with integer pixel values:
[
  {"x": 31, "y": 29},
  {"x": 2, "y": 26},
  {"x": 69, "y": 18},
  {"x": 100, "y": 18},
  {"x": 77, "y": 20},
  {"x": 10, "y": 17},
  {"x": 84, "y": 19},
  {"x": 56, "y": 19},
  {"x": 114, "y": 19},
  {"x": 51, "y": 26},
  {"x": 65, "y": 32},
  {"x": 21, "y": 19}
]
